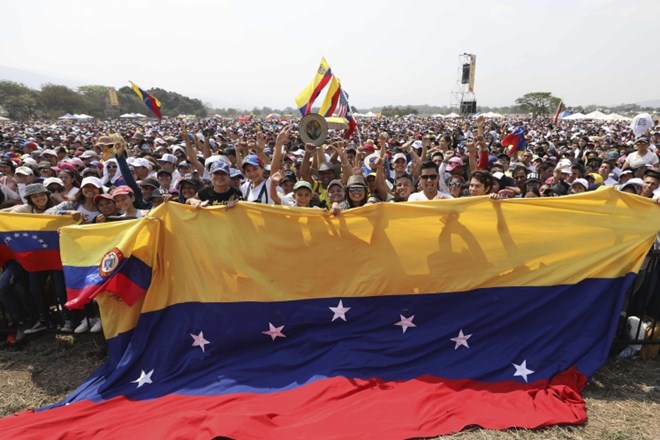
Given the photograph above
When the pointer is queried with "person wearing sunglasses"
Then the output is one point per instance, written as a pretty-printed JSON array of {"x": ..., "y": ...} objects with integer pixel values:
[
  {"x": 428, "y": 182},
  {"x": 112, "y": 176}
]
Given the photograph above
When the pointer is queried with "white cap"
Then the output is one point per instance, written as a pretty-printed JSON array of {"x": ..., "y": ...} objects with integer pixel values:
[
  {"x": 50, "y": 180},
  {"x": 26, "y": 171},
  {"x": 581, "y": 181},
  {"x": 91, "y": 180}
]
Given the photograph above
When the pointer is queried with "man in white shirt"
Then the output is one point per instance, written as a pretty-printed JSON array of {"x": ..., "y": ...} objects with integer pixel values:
[{"x": 429, "y": 182}]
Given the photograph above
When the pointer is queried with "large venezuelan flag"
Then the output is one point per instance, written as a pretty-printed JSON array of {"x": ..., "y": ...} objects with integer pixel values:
[
  {"x": 32, "y": 240},
  {"x": 389, "y": 321}
]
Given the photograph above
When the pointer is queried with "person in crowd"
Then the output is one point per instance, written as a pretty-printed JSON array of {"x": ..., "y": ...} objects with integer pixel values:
[
  {"x": 71, "y": 182},
  {"x": 356, "y": 194},
  {"x": 107, "y": 208},
  {"x": 219, "y": 192},
  {"x": 481, "y": 183},
  {"x": 124, "y": 198},
  {"x": 640, "y": 158},
  {"x": 112, "y": 176},
  {"x": 301, "y": 196},
  {"x": 38, "y": 202},
  {"x": 429, "y": 176}
]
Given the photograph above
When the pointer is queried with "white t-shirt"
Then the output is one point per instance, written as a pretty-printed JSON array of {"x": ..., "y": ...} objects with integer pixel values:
[
  {"x": 634, "y": 160},
  {"x": 258, "y": 193},
  {"x": 420, "y": 196}
]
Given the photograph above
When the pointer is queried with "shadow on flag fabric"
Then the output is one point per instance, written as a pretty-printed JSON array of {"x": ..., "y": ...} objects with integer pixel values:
[
  {"x": 389, "y": 321},
  {"x": 306, "y": 99},
  {"x": 148, "y": 99},
  {"x": 32, "y": 240},
  {"x": 515, "y": 141}
]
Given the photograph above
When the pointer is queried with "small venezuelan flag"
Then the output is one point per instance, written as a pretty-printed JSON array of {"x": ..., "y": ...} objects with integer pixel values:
[{"x": 148, "y": 99}]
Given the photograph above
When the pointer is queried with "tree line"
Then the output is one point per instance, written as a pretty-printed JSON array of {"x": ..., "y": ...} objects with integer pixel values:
[{"x": 54, "y": 100}]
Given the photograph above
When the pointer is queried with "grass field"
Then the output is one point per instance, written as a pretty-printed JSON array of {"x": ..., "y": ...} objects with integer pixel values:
[{"x": 623, "y": 398}]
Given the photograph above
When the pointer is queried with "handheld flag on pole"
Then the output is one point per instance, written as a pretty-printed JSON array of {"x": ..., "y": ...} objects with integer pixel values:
[
  {"x": 345, "y": 112},
  {"x": 148, "y": 99},
  {"x": 331, "y": 98},
  {"x": 336, "y": 99},
  {"x": 560, "y": 109},
  {"x": 306, "y": 99}
]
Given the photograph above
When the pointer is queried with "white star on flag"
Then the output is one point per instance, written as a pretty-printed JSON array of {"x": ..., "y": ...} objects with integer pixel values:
[
  {"x": 274, "y": 332},
  {"x": 25, "y": 234},
  {"x": 7, "y": 239},
  {"x": 34, "y": 237},
  {"x": 144, "y": 378},
  {"x": 461, "y": 339},
  {"x": 405, "y": 323},
  {"x": 199, "y": 341},
  {"x": 339, "y": 311},
  {"x": 44, "y": 245},
  {"x": 522, "y": 370},
  {"x": 17, "y": 235}
]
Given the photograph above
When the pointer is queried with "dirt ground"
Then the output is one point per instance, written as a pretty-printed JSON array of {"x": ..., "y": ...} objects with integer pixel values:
[{"x": 623, "y": 398}]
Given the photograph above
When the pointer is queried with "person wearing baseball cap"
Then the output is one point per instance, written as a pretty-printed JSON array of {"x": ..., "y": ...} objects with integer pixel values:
[{"x": 220, "y": 192}]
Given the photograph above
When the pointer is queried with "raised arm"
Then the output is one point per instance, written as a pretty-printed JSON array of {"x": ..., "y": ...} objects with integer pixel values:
[
  {"x": 280, "y": 141},
  {"x": 305, "y": 167},
  {"x": 191, "y": 154},
  {"x": 275, "y": 180},
  {"x": 260, "y": 146}
]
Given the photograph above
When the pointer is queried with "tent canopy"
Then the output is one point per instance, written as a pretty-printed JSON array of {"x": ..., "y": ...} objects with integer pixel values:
[
  {"x": 492, "y": 115},
  {"x": 575, "y": 116},
  {"x": 598, "y": 115}
]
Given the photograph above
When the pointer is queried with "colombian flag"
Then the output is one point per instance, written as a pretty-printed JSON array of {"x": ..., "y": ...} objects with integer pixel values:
[
  {"x": 331, "y": 98},
  {"x": 389, "y": 321},
  {"x": 306, "y": 99},
  {"x": 148, "y": 99},
  {"x": 32, "y": 240},
  {"x": 92, "y": 267}
]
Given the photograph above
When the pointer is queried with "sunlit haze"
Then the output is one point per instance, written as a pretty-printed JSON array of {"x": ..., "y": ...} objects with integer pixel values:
[{"x": 245, "y": 54}]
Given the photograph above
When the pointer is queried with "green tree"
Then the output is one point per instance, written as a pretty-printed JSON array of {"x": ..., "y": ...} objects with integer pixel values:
[
  {"x": 19, "y": 101},
  {"x": 538, "y": 103},
  {"x": 95, "y": 97},
  {"x": 58, "y": 99}
]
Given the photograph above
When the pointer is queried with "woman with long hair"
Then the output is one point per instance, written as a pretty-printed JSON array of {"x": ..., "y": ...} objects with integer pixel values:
[
  {"x": 71, "y": 180},
  {"x": 83, "y": 204}
]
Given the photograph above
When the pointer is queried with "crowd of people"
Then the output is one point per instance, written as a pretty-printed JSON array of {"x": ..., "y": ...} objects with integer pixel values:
[{"x": 103, "y": 171}]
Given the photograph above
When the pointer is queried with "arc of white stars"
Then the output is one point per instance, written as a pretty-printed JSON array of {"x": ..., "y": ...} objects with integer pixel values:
[
  {"x": 461, "y": 339},
  {"x": 522, "y": 370},
  {"x": 406, "y": 323},
  {"x": 144, "y": 378},
  {"x": 340, "y": 311}
]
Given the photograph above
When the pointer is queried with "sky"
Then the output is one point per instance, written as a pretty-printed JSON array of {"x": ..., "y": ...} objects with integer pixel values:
[{"x": 263, "y": 53}]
